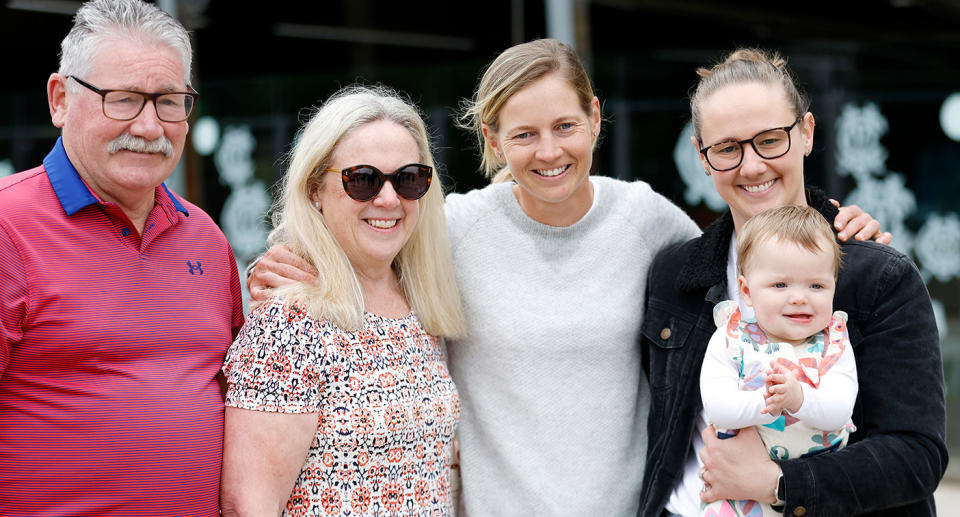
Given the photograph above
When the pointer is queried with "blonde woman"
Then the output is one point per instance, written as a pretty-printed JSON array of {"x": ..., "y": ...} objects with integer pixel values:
[{"x": 339, "y": 401}]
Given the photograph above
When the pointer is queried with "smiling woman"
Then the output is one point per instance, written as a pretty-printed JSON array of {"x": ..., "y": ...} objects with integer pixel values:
[
  {"x": 371, "y": 233},
  {"x": 346, "y": 373},
  {"x": 896, "y": 456},
  {"x": 552, "y": 264},
  {"x": 548, "y": 153}
]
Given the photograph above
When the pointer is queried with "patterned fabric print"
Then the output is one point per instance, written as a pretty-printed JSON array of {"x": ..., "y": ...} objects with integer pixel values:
[
  {"x": 787, "y": 437},
  {"x": 387, "y": 408},
  {"x": 750, "y": 349}
]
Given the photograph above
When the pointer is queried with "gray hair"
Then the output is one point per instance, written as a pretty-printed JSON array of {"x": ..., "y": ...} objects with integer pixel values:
[{"x": 99, "y": 19}]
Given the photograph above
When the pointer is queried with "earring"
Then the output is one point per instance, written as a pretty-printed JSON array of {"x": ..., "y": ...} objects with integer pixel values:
[
  {"x": 807, "y": 152},
  {"x": 707, "y": 172},
  {"x": 316, "y": 204},
  {"x": 593, "y": 134},
  {"x": 500, "y": 156}
]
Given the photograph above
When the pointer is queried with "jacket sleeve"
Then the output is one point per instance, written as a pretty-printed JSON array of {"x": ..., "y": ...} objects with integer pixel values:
[{"x": 897, "y": 455}]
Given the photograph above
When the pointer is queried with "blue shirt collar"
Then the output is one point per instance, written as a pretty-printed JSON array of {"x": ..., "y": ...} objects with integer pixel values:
[{"x": 71, "y": 191}]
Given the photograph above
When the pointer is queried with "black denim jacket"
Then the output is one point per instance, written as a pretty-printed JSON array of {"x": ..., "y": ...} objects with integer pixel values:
[{"x": 897, "y": 456}]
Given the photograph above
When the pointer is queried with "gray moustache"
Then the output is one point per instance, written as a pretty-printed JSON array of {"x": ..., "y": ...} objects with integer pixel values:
[{"x": 128, "y": 142}]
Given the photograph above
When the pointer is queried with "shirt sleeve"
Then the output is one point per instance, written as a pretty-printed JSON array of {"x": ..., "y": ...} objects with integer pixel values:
[
  {"x": 236, "y": 294},
  {"x": 830, "y": 405},
  {"x": 674, "y": 225},
  {"x": 13, "y": 298},
  {"x": 275, "y": 363},
  {"x": 898, "y": 454},
  {"x": 724, "y": 403}
]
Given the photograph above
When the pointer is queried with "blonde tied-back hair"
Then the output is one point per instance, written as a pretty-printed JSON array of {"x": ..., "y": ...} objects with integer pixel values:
[
  {"x": 800, "y": 225},
  {"x": 424, "y": 266},
  {"x": 742, "y": 66},
  {"x": 513, "y": 70}
]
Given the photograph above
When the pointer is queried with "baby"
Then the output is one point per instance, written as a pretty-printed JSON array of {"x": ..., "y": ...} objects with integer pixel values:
[{"x": 789, "y": 370}]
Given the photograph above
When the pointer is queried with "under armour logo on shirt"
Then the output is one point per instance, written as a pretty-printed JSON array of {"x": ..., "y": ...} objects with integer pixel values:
[{"x": 195, "y": 269}]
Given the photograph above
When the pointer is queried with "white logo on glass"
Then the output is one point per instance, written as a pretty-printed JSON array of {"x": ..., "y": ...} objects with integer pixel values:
[
  {"x": 242, "y": 215},
  {"x": 699, "y": 185},
  {"x": 884, "y": 194}
]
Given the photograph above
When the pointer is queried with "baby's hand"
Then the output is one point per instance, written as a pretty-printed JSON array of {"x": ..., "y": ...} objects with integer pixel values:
[{"x": 783, "y": 391}]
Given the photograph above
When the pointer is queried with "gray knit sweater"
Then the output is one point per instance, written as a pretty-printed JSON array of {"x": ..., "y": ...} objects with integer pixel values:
[{"x": 554, "y": 400}]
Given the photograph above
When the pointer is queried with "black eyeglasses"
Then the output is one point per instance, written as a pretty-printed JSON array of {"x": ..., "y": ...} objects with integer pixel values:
[
  {"x": 363, "y": 182},
  {"x": 127, "y": 104},
  {"x": 768, "y": 144}
]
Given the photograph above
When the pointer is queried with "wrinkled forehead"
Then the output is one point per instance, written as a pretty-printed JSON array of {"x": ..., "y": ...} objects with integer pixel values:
[{"x": 128, "y": 60}]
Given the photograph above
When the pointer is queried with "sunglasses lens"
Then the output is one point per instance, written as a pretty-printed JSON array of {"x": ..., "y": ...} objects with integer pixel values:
[
  {"x": 364, "y": 183},
  {"x": 412, "y": 181}
]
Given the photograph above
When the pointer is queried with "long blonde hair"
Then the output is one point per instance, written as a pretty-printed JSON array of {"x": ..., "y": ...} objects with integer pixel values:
[
  {"x": 424, "y": 266},
  {"x": 513, "y": 70}
]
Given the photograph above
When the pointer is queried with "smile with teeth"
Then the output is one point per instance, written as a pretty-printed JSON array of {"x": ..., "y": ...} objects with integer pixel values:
[
  {"x": 759, "y": 187},
  {"x": 552, "y": 172},
  {"x": 382, "y": 223}
]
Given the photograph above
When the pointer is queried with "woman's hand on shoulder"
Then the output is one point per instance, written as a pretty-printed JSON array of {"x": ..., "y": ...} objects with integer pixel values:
[
  {"x": 852, "y": 221},
  {"x": 277, "y": 268}
]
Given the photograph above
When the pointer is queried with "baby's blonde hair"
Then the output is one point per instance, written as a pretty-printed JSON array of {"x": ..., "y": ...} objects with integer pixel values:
[{"x": 800, "y": 225}]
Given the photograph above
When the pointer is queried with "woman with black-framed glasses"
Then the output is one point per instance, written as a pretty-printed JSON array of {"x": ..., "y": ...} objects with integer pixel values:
[
  {"x": 753, "y": 129},
  {"x": 338, "y": 398},
  {"x": 768, "y": 143}
]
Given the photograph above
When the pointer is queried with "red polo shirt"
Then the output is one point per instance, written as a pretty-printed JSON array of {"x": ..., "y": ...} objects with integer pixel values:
[{"x": 110, "y": 343}]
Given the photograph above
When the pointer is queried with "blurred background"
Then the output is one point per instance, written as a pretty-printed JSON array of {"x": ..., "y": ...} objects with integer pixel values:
[{"x": 883, "y": 76}]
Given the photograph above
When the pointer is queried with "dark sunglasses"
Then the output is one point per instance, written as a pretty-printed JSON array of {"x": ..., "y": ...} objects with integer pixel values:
[{"x": 363, "y": 182}]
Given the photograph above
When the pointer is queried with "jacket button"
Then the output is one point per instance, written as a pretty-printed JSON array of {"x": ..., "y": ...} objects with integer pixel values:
[
  {"x": 665, "y": 334},
  {"x": 799, "y": 511}
]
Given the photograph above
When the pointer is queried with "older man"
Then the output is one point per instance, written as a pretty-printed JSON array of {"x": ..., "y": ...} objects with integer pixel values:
[{"x": 117, "y": 298}]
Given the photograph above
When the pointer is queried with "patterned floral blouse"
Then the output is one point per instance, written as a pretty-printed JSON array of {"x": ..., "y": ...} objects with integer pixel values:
[{"x": 387, "y": 408}]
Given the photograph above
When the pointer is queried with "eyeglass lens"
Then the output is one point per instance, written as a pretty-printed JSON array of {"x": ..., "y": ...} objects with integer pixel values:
[
  {"x": 769, "y": 144},
  {"x": 363, "y": 182},
  {"x": 124, "y": 105}
]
